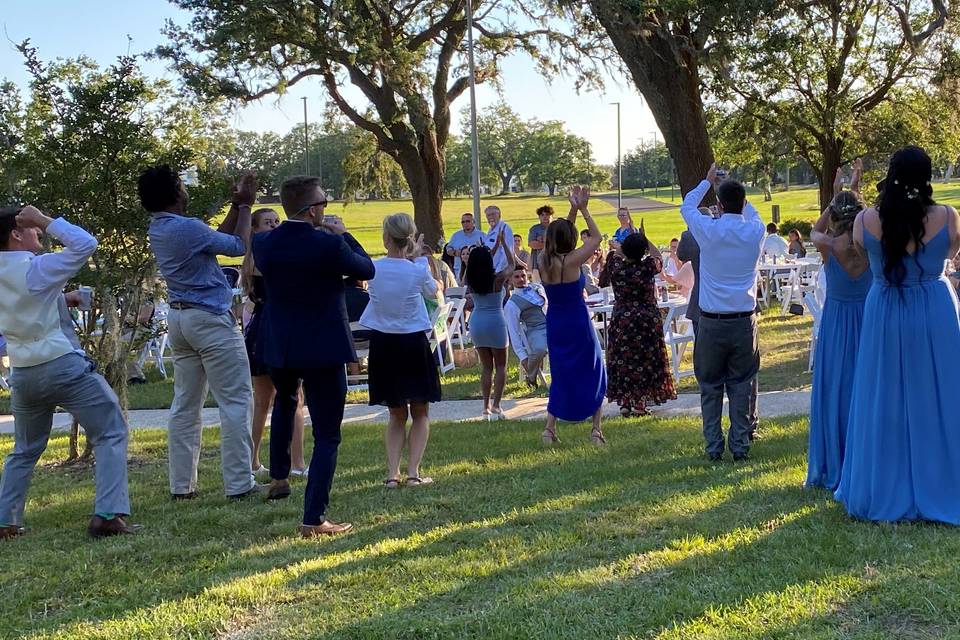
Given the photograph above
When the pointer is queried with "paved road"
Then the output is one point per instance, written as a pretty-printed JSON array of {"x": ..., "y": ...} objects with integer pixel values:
[
  {"x": 639, "y": 204},
  {"x": 772, "y": 404}
]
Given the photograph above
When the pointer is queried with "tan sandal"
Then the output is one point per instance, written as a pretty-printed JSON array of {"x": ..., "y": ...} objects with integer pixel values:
[
  {"x": 392, "y": 483},
  {"x": 549, "y": 436},
  {"x": 416, "y": 481},
  {"x": 596, "y": 437}
]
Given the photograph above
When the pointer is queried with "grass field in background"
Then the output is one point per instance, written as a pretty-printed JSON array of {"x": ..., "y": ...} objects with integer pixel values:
[
  {"x": 784, "y": 349},
  {"x": 640, "y": 539}
]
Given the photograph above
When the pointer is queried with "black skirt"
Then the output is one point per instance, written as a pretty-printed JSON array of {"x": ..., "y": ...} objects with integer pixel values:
[
  {"x": 402, "y": 370},
  {"x": 251, "y": 338}
]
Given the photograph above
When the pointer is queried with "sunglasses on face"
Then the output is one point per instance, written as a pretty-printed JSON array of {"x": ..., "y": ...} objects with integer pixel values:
[{"x": 322, "y": 203}]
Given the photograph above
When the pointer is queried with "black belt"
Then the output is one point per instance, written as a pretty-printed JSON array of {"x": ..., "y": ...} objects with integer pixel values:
[
  {"x": 185, "y": 305},
  {"x": 726, "y": 316}
]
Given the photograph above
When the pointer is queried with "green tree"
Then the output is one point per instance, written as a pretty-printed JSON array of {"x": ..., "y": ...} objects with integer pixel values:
[
  {"x": 407, "y": 60},
  {"x": 819, "y": 69},
  {"x": 503, "y": 142},
  {"x": 559, "y": 158},
  {"x": 87, "y": 133}
]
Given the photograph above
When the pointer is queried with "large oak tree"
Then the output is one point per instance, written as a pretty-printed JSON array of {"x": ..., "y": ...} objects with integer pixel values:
[{"x": 406, "y": 58}]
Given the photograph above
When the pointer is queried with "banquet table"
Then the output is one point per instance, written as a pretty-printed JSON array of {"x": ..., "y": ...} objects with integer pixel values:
[
  {"x": 793, "y": 268},
  {"x": 597, "y": 305}
]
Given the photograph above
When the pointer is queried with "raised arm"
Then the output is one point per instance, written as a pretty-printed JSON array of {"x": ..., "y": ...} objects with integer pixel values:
[
  {"x": 690, "y": 209},
  {"x": 53, "y": 270},
  {"x": 819, "y": 236},
  {"x": 511, "y": 265}
]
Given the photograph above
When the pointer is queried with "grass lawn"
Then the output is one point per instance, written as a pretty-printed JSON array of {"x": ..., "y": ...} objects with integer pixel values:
[
  {"x": 641, "y": 539},
  {"x": 784, "y": 348}
]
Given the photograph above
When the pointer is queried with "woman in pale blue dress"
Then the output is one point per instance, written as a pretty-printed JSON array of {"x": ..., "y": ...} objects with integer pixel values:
[
  {"x": 848, "y": 281},
  {"x": 902, "y": 454},
  {"x": 488, "y": 327}
]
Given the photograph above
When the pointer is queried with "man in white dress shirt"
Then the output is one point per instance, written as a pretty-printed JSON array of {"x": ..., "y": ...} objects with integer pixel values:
[
  {"x": 527, "y": 324},
  {"x": 773, "y": 244},
  {"x": 497, "y": 226},
  {"x": 727, "y": 354},
  {"x": 49, "y": 369},
  {"x": 467, "y": 236}
]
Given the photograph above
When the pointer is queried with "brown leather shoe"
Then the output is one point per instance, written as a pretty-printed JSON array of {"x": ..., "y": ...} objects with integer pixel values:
[
  {"x": 11, "y": 531},
  {"x": 102, "y": 528},
  {"x": 325, "y": 528},
  {"x": 279, "y": 489}
]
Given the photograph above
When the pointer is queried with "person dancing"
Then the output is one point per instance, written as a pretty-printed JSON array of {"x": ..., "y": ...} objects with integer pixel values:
[
  {"x": 578, "y": 379},
  {"x": 264, "y": 220},
  {"x": 838, "y": 341},
  {"x": 902, "y": 454},
  {"x": 488, "y": 327},
  {"x": 636, "y": 353},
  {"x": 403, "y": 374},
  {"x": 49, "y": 369}
]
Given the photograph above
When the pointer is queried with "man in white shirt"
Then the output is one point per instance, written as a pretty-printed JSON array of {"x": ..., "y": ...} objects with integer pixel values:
[
  {"x": 50, "y": 369},
  {"x": 497, "y": 226},
  {"x": 468, "y": 236},
  {"x": 773, "y": 244},
  {"x": 527, "y": 324},
  {"x": 727, "y": 354}
]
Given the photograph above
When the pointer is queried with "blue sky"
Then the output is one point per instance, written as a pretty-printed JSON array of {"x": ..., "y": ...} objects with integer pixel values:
[{"x": 100, "y": 29}]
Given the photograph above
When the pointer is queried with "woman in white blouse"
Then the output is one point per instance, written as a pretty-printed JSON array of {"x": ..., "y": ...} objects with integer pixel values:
[{"x": 402, "y": 371}]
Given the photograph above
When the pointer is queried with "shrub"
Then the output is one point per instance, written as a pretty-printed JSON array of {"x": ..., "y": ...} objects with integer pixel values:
[{"x": 803, "y": 226}]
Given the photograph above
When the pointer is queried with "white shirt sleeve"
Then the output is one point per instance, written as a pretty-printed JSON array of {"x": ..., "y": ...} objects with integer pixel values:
[
  {"x": 53, "y": 270},
  {"x": 518, "y": 340},
  {"x": 698, "y": 223}
]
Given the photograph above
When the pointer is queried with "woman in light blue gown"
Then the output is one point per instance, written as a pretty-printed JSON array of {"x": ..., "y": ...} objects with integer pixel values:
[
  {"x": 848, "y": 281},
  {"x": 902, "y": 454}
]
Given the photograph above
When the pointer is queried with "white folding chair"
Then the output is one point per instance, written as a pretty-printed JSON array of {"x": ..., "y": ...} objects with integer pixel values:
[
  {"x": 678, "y": 336},
  {"x": 440, "y": 341},
  {"x": 457, "y": 325},
  {"x": 816, "y": 312},
  {"x": 455, "y": 292},
  {"x": 358, "y": 381}
]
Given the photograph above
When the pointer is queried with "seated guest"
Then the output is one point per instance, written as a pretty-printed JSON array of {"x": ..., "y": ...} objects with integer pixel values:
[
  {"x": 527, "y": 324},
  {"x": 796, "y": 248},
  {"x": 438, "y": 269},
  {"x": 626, "y": 226},
  {"x": 591, "y": 268},
  {"x": 403, "y": 373},
  {"x": 449, "y": 257},
  {"x": 522, "y": 257},
  {"x": 464, "y": 258},
  {"x": 50, "y": 369},
  {"x": 678, "y": 272},
  {"x": 773, "y": 244},
  {"x": 637, "y": 363},
  {"x": 537, "y": 234}
]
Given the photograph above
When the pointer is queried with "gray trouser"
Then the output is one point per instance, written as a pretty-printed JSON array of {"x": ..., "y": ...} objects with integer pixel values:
[
  {"x": 727, "y": 358},
  {"x": 71, "y": 382},
  {"x": 209, "y": 348},
  {"x": 754, "y": 416}
]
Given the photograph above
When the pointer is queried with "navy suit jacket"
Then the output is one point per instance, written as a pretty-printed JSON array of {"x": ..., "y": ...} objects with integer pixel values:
[
  {"x": 689, "y": 251},
  {"x": 305, "y": 322}
]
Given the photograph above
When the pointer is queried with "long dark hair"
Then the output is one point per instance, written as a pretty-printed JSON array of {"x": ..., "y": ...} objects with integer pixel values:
[
  {"x": 903, "y": 209},
  {"x": 560, "y": 239},
  {"x": 480, "y": 274}
]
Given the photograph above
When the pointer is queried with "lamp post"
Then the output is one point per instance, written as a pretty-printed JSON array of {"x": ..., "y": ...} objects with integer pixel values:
[
  {"x": 656, "y": 168},
  {"x": 619, "y": 162},
  {"x": 306, "y": 156},
  {"x": 474, "y": 153}
]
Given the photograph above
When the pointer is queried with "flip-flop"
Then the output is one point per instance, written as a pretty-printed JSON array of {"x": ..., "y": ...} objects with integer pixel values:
[
  {"x": 392, "y": 483},
  {"x": 415, "y": 481}
]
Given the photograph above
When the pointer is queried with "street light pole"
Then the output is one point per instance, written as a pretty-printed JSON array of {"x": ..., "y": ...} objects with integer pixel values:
[
  {"x": 474, "y": 145},
  {"x": 306, "y": 142},
  {"x": 656, "y": 168},
  {"x": 619, "y": 162}
]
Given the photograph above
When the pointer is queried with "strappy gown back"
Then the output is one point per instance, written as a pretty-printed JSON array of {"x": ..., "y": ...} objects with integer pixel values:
[
  {"x": 902, "y": 454},
  {"x": 578, "y": 380},
  {"x": 833, "y": 373}
]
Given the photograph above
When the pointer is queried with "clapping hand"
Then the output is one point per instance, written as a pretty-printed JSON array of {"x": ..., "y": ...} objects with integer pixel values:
[
  {"x": 838, "y": 181},
  {"x": 244, "y": 192},
  {"x": 418, "y": 247}
]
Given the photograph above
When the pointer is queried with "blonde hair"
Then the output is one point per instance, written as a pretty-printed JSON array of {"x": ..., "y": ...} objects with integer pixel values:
[
  {"x": 401, "y": 231},
  {"x": 247, "y": 267}
]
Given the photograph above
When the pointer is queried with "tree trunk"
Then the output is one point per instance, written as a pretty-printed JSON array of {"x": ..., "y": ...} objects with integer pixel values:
[
  {"x": 505, "y": 183},
  {"x": 552, "y": 188},
  {"x": 668, "y": 76},
  {"x": 426, "y": 190},
  {"x": 831, "y": 151}
]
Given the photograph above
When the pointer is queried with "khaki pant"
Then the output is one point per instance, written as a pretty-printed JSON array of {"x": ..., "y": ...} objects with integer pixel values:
[{"x": 209, "y": 349}]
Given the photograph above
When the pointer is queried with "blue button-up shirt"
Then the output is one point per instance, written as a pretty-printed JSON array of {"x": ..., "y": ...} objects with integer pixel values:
[{"x": 186, "y": 250}]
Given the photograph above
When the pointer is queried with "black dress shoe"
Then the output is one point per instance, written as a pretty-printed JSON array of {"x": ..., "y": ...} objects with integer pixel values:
[
  {"x": 117, "y": 526},
  {"x": 715, "y": 457},
  {"x": 740, "y": 457},
  {"x": 183, "y": 496},
  {"x": 256, "y": 490}
]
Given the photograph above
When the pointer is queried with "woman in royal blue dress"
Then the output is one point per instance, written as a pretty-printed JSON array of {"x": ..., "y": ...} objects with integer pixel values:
[
  {"x": 902, "y": 455},
  {"x": 578, "y": 380},
  {"x": 848, "y": 281}
]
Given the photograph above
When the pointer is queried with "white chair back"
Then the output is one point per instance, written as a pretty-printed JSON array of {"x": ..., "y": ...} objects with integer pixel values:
[{"x": 816, "y": 312}]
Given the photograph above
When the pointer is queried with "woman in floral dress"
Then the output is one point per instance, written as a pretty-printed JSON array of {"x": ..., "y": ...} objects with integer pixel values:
[{"x": 638, "y": 369}]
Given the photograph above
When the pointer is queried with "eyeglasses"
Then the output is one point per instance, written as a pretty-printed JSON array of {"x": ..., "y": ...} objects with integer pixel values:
[
  {"x": 322, "y": 203},
  {"x": 465, "y": 221}
]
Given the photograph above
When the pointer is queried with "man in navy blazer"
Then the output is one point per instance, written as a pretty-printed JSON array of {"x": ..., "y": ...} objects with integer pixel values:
[{"x": 306, "y": 337}]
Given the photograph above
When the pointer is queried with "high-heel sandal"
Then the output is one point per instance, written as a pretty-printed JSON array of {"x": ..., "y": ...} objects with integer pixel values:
[
  {"x": 596, "y": 437},
  {"x": 549, "y": 436}
]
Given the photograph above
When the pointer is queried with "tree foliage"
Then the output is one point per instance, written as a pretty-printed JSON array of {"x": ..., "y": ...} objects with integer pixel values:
[{"x": 407, "y": 59}]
